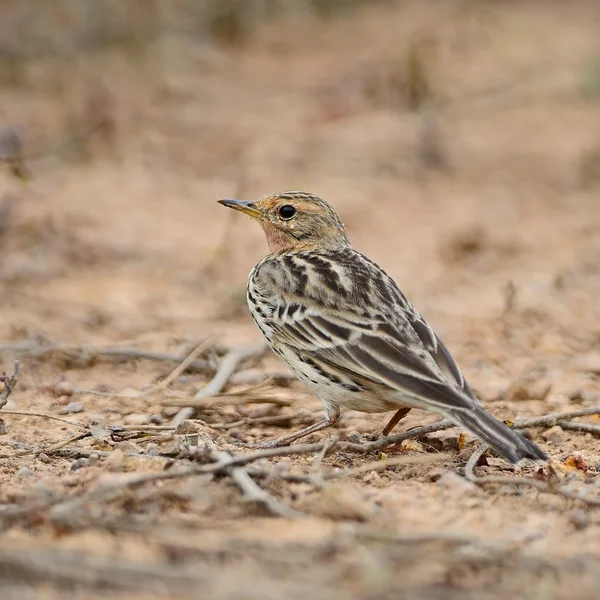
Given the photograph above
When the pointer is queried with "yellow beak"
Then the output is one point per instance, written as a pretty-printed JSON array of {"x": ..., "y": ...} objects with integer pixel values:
[{"x": 244, "y": 206}]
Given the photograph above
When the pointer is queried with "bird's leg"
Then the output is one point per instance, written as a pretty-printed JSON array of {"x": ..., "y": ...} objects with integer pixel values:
[
  {"x": 332, "y": 417},
  {"x": 398, "y": 416}
]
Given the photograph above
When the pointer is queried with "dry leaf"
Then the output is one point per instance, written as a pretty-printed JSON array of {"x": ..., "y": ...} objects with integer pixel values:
[{"x": 575, "y": 463}]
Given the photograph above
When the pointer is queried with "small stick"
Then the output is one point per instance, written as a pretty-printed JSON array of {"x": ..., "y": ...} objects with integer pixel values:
[
  {"x": 43, "y": 416},
  {"x": 254, "y": 492},
  {"x": 227, "y": 400},
  {"x": 226, "y": 369},
  {"x": 281, "y": 420},
  {"x": 552, "y": 419},
  {"x": 317, "y": 463},
  {"x": 51, "y": 449},
  {"x": 581, "y": 427},
  {"x": 37, "y": 351},
  {"x": 179, "y": 369}
]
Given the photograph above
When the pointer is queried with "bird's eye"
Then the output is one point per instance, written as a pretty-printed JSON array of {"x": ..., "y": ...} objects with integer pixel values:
[{"x": 286, "y": 212}]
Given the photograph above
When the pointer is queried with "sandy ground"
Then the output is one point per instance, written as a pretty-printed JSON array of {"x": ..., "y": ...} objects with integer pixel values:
[{"x": 117, "y": 241}]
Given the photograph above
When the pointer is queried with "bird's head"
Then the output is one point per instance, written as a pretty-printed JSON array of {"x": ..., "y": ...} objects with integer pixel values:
[{"x": 295, "y": 220}]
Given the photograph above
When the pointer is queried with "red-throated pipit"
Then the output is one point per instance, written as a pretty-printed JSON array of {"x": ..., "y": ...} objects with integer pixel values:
[{"x": 346, "y": 330}]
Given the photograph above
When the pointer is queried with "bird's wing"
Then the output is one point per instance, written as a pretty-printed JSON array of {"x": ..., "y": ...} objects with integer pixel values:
[{"x": 344, "y": 334}]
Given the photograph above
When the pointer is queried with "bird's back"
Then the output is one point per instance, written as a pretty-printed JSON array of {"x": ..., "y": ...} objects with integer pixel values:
[{"x": 322, "y": 305}]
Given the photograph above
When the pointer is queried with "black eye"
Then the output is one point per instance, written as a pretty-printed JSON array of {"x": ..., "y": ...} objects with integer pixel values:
[{"x": 287, "y": 212}]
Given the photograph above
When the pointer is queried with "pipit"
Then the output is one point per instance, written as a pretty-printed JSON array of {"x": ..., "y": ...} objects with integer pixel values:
[{"x": 347, "y": 332}]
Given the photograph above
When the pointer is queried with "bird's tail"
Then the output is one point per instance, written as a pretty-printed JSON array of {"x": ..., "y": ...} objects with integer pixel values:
[{"x": 508, "y": 443}]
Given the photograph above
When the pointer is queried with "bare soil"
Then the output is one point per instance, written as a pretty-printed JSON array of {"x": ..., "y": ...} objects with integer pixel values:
[{"x": 484, "y": 207}]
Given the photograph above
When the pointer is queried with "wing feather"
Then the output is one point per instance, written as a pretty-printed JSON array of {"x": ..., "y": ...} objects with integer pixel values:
[{"x": 346, "y": 333}]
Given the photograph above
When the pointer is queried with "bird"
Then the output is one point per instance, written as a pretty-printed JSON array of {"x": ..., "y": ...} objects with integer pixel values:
[{"x": 348, "y": 333}]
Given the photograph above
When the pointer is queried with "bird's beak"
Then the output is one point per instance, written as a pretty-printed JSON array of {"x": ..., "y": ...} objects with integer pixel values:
[{"x": 244, "y": 206}]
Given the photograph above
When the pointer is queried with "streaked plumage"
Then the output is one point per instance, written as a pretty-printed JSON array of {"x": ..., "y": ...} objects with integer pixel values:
[{"x": 347, "y": 331}]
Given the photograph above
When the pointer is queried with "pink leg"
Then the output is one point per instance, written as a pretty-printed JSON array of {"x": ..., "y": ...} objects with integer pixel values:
[
  {"x": 333, "y": 416},
  {"x": 400, "y": 414}
]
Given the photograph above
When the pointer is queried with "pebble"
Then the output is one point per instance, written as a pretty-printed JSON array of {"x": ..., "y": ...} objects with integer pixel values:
[
  {"x": 79, "y": 464},
  {"x": 555, "y": 435},
  {"x": 354, "y": 437},
  {"x": 136, "y": 419},
  {"x": 72, "y": 408},
  {"x": 115, "y": 460},
  {"x": 156, "y": 419},
  {"x": 188, "y": 426},
  {"x": 24, "y": 472},
  {"x": 152, "y": 449},
  {"x": 44, "y": 458},
  {"x": 128, "y": 447},
  {"x": 170, "y": 411},
  {"x": 63, "y": 388},
  {"x": 93, "y": 459},
  {"x": 443, "y": 440}
]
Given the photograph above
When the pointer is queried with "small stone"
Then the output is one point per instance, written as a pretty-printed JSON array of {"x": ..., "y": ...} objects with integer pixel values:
[
  {"x": 79, "y": 464},
  {"x": 499, "y": 463},
  {"x": 156, "y": 419},
  {"x": 554, "y": 435},
  {"x": 170, "y": 411},
  {"x": 93, "y": 459},
  {"x": 63, "y": 400},
  {"x": 443, "y": 440},
  {"x": 453, "y": 482},
  {"x": 24, "y": 472},
  {"x": 115, "y": 460},
  {"x": 72, "y": 408},
  {"x": 353, "y": 437},
  {"x": 152, "y": 449},
  {"x": 63, "y": 388},
  {"x": 136, "y": 419},
  {"x": 128, "y": 447},
  {"x": 44, "y": 458},
  {"x": 188, "y": 427}
]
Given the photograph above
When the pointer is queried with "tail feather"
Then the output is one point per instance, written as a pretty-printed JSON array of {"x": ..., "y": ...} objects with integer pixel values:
[{"x": 508, "y": 443}]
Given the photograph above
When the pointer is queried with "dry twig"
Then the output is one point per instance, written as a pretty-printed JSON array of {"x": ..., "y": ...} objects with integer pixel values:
[
  {"x": 252, "y": 491},
  {"x": 226, "y": 369},
  {"x": 552, "y": 486},
  {"x": 580, "y": 427},
  {"x": 35, "y": 350}
]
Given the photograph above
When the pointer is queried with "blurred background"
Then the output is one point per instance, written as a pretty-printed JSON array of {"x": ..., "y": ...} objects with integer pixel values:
[{"x": 459, "y": 141}]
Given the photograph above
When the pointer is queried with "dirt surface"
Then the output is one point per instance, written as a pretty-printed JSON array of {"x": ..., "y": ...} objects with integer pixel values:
[{"x": 484, "y": 208}]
